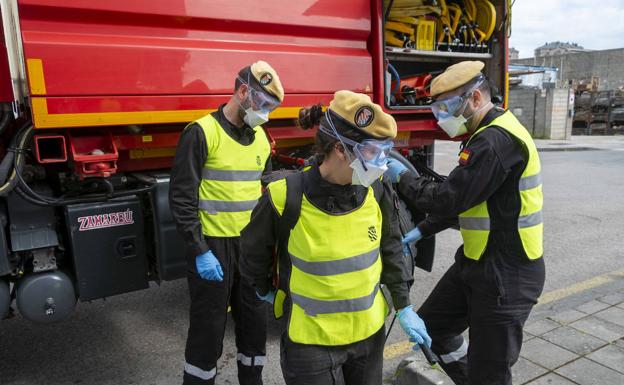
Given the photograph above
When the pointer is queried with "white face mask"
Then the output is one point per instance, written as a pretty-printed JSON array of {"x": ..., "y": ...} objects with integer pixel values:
[
  {"x": 454, "y": 126},
  {"x": 366, "y": 177},
  {"x": 255, "y": 118}
]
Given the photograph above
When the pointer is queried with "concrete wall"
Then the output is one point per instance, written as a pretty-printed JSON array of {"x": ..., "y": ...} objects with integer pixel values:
[
  {"x": 539, "y": 128},
  {"x": 607, "y": 65},
  {"x": 558, "y": 117},
  {"x": 544, "y": 113},
  {"x": 523, "y": 102}
]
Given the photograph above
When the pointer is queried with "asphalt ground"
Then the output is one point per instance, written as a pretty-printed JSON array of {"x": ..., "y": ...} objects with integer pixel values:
[{"x": 138, "y": 338}]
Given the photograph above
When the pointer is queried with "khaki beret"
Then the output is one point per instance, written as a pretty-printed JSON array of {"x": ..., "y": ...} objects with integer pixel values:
[
  {"x": 456, "y": 76},
  {"x": 268, "y": 79},
  {"x": 361, "y": 112}
]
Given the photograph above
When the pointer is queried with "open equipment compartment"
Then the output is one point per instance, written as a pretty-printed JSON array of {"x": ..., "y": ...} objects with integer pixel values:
[{"x": 424, "y": 37}]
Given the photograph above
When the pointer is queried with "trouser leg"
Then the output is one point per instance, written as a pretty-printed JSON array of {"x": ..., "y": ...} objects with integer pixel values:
[
  {"x": 208, "y": 313},
  {"x": 364, "y": 365},
  {"x": 311, "y": 364},
  {"x": 502, "y": 299},
  {"x": 250, "y": 317},
  {"x": 445, "y": 313}
]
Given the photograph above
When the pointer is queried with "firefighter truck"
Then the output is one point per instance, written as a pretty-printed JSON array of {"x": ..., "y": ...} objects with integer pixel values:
[{"x": 94, "y": 95}]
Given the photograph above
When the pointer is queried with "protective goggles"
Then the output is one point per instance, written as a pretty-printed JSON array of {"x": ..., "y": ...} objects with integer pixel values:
[
  {"x": 260, "y": 101},
  {"x": 447, "y": 108},
  {"x": 369, "y": 151}
]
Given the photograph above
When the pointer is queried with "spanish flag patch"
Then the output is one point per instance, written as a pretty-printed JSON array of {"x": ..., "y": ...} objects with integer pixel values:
[{"x": 464, "y": 157}]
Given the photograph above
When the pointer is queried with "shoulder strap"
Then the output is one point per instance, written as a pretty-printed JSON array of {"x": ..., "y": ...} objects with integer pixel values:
[
  {"x": 292, "y": 207},
  {"x": 378, "y": 190}
]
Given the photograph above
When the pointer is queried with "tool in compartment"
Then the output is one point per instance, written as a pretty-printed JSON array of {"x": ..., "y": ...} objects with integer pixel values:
[
  {"x": 456, "y": 25},
  {"x": 414, "y": 90}
]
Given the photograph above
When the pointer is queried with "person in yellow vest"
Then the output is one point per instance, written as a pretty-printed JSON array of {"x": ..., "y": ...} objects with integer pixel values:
[
  {"x": 495, "y": 193},
  {"x": 215, "y": 183},
  {"x": 336, "y": 230}
]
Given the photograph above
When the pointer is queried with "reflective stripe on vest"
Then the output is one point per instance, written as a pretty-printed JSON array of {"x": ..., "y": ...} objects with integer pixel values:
[
  {"x": 475, "y": 223},
  {"x": 215, "y": 207},
  {"x": 230, "y": 186},
  {"x": 314, "y": 307},
  {"x": 471, "y": 223},
  {"x": 231, "y": 175},
  {"x": 336, "y": 268},
  {"x": 341, "y": 266}
]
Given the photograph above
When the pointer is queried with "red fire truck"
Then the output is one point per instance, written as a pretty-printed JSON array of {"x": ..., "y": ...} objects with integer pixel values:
[{"x": 94, "y": 95}]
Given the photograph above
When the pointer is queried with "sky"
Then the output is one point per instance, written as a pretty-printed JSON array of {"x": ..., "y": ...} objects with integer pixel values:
[{"x": 593, "y": 24}]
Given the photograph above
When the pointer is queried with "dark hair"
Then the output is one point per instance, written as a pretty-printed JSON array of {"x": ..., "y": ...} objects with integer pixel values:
[
  {"x": 484, "y": 87},
  {"x": 245, "y": 74},
  {"x": 312, "y": 116},
  {"x": 242, "y": 74},
  {"x": 309, "y": 118}
]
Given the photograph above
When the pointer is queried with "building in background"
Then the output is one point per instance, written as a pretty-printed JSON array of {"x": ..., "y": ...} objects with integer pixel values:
[
  {"x": 592, "y": 70},
  {"x": 558, "y": 48},
  {"x": 593, "y": 81},
  {"x": 513, "y": 53}
]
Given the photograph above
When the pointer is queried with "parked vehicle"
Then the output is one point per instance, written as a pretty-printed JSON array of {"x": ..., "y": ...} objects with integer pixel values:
[{"x": 94, "y": 95}]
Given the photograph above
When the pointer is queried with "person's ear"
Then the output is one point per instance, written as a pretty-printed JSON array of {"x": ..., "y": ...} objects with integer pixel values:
[
  {"x": 242, "y": 91},
  {"x": 477, "y": 99},
  {"x": 340, "y": 152}
]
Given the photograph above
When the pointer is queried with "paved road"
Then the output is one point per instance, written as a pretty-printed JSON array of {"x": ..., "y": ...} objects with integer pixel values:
[{"x": 138, "y": 338}]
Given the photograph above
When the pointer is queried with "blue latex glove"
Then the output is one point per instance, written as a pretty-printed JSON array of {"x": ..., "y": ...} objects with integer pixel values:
[
  {"x": 208, "y": 267},
  {"x": 395, "y": 169},
  {"x": 414, "y": 326},
  {"x": 268, "y": 297},
  {"x": 412, "y": 236}
]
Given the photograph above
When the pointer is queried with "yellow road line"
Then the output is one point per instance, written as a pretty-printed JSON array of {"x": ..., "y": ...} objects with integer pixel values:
[
  {"x": 404, "y": 347},
  {"x": 580, "y": 286},
  {"x": 397, "y": 349}
]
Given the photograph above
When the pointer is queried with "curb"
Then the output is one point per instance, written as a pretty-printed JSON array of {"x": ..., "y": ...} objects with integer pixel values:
[{"x": 415, "y": 370}]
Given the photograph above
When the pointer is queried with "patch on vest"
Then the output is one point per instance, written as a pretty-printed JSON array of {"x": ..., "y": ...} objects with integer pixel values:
[
  {"x": 464, "y": 157},
  {"x": 258, "y": 160},
  {"x": 372, "y": 233}
]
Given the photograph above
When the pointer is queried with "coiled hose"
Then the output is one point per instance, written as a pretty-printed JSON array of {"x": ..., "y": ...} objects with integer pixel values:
[{"x": 395, "y": 74}]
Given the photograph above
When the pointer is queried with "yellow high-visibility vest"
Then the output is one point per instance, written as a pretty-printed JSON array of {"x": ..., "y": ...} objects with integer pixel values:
[
  {"x": 474, "y": 223},
  {"x": 230, "y": 186},
  {"x": 334, "y": 282}
]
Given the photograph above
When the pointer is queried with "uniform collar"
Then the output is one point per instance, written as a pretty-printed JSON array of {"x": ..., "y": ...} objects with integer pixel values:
[
  {"x": 492, "y": 114},
  {"x": 238, "y": 132},
  {"x": 331, "y": 197}
]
